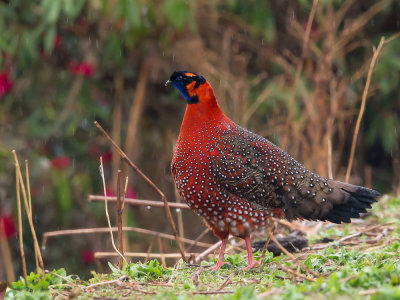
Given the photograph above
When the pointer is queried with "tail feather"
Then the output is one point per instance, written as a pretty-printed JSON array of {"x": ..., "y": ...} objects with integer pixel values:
[{"x": 350, "y": 203}]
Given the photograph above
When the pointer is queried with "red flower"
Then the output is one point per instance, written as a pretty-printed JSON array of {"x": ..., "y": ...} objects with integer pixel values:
[
  {"x": 107, "y": 157},
  {"x": 131, "y": 193},
  {"x": 109, "y": 192},
  {"x": 61, "y": 162},
  {"x": 57, "y": 41},
  {"x": 87, "y": 256},
  {"x": 5, "y": 83},
  {"x": 84, "y": 69},
  {"x": 8, "y": 224}
]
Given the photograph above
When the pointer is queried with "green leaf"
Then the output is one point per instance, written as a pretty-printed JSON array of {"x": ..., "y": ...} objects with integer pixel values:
[
  {"x": 49, "y": 39},
  {"x": 72, "y": 8},
  {"x": 177, "y": 12},
  {"x": 115, "y": 270},
  {"x": 51, "y": 10},
  {"x": 132, "y": 13},
  {"x": 62, "y": 190}
]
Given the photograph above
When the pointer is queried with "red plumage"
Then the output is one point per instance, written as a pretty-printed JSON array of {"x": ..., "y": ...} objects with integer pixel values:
[{"x": 236, "y": 180}]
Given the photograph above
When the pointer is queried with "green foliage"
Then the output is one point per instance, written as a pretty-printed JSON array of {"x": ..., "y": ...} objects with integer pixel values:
[
  {"x": 50, "y": 110},
  {"x": 242, "y": 293},
  {"x": 35, "y": 281},
  {"x": 151, "y": 270},
  {"x": 259, "y": 14},
  {"x": 177, "y": 12}
]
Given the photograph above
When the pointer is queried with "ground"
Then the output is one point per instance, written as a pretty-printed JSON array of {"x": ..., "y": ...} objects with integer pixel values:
[{"x": 362, "y": 262}]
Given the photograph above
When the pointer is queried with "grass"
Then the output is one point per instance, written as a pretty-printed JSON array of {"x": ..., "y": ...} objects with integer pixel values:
[{"x": 361, "y": 269}]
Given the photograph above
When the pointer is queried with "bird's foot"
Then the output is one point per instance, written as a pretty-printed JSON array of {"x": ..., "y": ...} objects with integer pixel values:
[
  {"x": 219, "y": 265},
  {"x": 252, "y": 265}
]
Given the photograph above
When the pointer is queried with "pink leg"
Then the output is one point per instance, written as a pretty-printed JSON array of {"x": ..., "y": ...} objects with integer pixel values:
[
  {"x": 220, "y": 261},
  {"x": 252, "y": 262}
]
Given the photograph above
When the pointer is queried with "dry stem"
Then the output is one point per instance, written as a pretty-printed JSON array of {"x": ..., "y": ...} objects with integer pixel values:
[
  {"x": 299, "y": 263},
  {"x": 264, "y": 251},
  {"x": 46, "y": 235},
  {"x": 362, "y": 108},
  {"x": 124, "y": 195},
  {"x": 119, "y": 219},
  {"x": 20, "y": 233},
  {"x": 140, "y": 202},
  {"x": 137, "y": 254},
  {"x": 30, "y": 220},
  {"x": 196, "y": 241},
  {"x": 179, "y": 215},
  {"x": 28, "y": 186},
  {"x": 164, "y": 199},
  {"x": 298, "y": 72},
  {"x": 286, "y": 269},
  {"x": 160, "y": 248},
  {"x": 106, "y": 209}
]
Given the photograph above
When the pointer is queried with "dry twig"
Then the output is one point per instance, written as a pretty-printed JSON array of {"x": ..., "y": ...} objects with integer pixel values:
[
  {"x": 286, "y": 269},
  {"x": 362, "y": 108},
  {"x": 26, "y": 204},
  {"x": 163, "y": 197},
  {"x": 264, "y": 251},
  {"x": 20, "y": 233},
  {"x": 211, "y": 292},
  {"x": 160, "y": 248},
  {"x": 137, "y": 254},
  {"x": 28, "y": 187},
  {"x": 140, "y": 202},
  {"x": 119, "y": 219},
  {"x": 106, "y": 209},
  {"x": 48, "y": 234},
  {"x": 293, "y": 257},
  {"x": 298, "y": 72},
  {"x": 196, "y": 241},
  {"x": 371, "y": 228}
]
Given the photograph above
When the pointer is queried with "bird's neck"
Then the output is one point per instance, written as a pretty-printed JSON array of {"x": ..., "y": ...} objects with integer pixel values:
[{"x": 206, "y": 112}]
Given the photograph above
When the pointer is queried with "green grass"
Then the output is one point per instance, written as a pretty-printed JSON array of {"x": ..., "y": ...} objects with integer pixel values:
[{"x": 360, "y": 271}]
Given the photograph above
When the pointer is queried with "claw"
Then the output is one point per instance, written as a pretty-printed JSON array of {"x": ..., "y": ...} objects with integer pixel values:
[
  {"x": 220, "y": 261},
  {"x": 219, "y": 265},
  {"x": 252, "y": 265}
]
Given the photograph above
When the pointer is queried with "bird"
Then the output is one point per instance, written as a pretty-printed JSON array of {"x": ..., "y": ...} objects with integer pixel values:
[{"x": 237, "y": 180}]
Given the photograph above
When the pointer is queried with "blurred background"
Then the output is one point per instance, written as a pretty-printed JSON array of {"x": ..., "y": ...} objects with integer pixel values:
[{"x": 65, "y": 64}]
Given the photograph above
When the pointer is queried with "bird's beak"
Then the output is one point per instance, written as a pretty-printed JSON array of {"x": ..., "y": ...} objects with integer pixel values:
[{"x": 168, "y": 83}]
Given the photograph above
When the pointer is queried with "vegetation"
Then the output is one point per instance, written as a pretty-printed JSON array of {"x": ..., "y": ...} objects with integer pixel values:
[
  {"x": 65, "y": 64},
  {"x": 369, "y": 265}
]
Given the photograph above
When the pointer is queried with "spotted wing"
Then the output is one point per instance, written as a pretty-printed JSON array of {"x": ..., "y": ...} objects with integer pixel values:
[{"x": 251, "y": 167}]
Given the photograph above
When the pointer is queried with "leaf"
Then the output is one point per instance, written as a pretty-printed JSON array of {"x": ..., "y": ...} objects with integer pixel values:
[
  {"x": 115, "y": 270},
  {"x": 177, "y": 12},
  {"x": 72, "y": 8},
  {"x": 51, "y": 10},
  {"x": 62, "y": 190},
  {"x": 132, "y": 13},
  {"x": 49, "y": 39}
]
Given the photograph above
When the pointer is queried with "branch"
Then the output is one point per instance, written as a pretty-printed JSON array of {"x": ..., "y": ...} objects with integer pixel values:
[
  {"x": 298, "y": 72},
  {"x": 164, "y": 199},
  {"x": 362, "y": 108}
]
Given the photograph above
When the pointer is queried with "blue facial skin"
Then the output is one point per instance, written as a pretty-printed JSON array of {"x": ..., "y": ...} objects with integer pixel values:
[{"x": 181, "y": 87}]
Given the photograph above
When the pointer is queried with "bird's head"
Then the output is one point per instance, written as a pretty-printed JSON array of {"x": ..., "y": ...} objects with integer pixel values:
[{"x": 188, "y": 83}]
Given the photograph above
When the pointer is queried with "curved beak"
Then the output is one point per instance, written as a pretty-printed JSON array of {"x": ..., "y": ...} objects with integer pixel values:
[{"x": 168, "y": 83}]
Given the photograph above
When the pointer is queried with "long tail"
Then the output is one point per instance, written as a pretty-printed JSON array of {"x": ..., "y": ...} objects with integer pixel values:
[{"x": 348, "y": 201}]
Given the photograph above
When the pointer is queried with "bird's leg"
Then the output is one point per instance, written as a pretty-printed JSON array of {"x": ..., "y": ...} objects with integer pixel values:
[
  {"x": 252, "y": 262},
  {"x": 220, "y": 261}
]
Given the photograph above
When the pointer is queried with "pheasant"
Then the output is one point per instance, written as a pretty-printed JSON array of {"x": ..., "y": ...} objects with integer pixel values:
[{"x": 237, "y": 180}]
